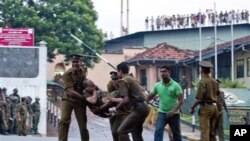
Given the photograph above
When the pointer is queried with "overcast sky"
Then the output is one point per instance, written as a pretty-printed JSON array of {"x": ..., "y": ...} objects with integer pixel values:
[{"x": 109, "y": 11}]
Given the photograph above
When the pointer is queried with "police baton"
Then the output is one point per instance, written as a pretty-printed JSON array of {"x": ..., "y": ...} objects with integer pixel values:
[{"x": 97, "y": 54}]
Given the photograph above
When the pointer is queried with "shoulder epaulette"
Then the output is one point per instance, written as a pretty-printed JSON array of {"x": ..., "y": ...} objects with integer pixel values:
[
  {"x": 126, "y": 82},
  {"x": 69, "y": 71}
]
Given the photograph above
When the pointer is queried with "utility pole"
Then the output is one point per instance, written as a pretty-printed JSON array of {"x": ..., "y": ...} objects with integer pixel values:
[
  {"x": 121, "y": 17},
  {"x": 124, "y": 30},
  {"x": 127, "y": 16},
  {"x": 232, "y": 48},
  {"x": 200, "y": 50},
  {"x": 215, "y": 42}
]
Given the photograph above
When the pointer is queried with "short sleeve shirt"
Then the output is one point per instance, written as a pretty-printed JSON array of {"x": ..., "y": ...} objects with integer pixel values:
[
  {"x": 207, "y": 89},
  {"x": 73, "y": 79},
  {"x": 168, "y": 95}
]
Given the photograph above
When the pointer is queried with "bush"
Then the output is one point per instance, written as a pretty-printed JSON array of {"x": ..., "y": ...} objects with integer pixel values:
[{"x": 225, "y": 83}]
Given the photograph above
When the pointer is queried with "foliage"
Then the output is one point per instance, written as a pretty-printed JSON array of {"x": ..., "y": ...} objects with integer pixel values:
[
  {"x": 53, "y": 20},
  {"x": 194, "y": 83},
  {"x": 225, "y": 83}
]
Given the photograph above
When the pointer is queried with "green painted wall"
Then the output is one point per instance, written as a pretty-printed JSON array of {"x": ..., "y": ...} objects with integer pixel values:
[{"x": 189, "y": 38}]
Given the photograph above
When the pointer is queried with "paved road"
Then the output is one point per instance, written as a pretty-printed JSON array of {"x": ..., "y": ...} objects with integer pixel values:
[{"x": 98, "y": 129}]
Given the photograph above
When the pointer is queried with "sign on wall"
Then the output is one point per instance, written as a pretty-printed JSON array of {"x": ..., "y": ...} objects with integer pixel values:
[{"x": 16, "y": 37}]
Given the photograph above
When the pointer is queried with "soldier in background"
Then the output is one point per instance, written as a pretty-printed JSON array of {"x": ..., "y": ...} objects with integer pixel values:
[
  {"x": 29, "y": 115},
  {"x": 3, "y": 122},
  {"x": 22, "y": 112},
  {"x": 5, "y": 91},
  {"x": 8, "y": 110},
  {"x": 36, "y": 114},
  {"x": 15, "y": 94},
  {"x": 14, "y": 101}
]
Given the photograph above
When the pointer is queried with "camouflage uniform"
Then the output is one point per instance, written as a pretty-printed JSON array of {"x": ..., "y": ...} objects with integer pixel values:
[
  {"x": 8, "y": 114},
  {"x": 15, "y": 100},
  {"x": 36, "y": 111}
]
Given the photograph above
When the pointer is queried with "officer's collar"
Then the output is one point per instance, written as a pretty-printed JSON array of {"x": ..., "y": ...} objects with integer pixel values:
[{"x": 205, "y": 75}]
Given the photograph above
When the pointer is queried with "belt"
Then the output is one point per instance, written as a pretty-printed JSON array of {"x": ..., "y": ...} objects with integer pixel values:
[{"x": 210, "y": 103}]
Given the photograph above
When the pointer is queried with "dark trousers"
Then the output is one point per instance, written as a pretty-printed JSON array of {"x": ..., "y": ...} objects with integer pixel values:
[
  {"x": 174, "y": 124},
  {"x": 115, "y": 122},
  {"x": 80, "y": 112},
  {"x": 219, "y": 126},
  {"x": 134, "y": 123}
]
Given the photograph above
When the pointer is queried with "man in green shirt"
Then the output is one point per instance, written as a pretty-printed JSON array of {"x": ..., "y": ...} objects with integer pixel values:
[{"x": 171, "y": 98}]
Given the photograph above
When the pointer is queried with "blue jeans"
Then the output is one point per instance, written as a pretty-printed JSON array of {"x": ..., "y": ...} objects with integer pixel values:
[{"x": 174, "y": 124}]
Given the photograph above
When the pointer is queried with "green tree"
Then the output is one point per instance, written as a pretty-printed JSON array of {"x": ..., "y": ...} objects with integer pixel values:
[{"x": 53, "y": 20}]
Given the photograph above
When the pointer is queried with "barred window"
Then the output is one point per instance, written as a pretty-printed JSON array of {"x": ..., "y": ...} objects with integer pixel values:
[
  {"x": 248, "y": 67},
  {"x": 240, "y": 68},
  {"x": 143, "y": 77}
]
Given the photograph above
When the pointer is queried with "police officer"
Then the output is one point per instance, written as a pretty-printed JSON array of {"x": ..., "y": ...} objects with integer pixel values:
[
  {"x": 116, "y": 120},
  {"x": 131, "y": 91},
  {"x": 73, "y": 99},
  {"x": 206, "y": 97},
  {"x": 36, "y": 114}
]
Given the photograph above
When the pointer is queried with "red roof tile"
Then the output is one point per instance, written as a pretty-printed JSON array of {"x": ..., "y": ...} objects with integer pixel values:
[{"x": 163, "y": 51}]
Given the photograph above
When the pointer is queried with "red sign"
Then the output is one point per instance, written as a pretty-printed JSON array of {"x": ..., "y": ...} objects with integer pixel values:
[{"x": 16, "y": 36}]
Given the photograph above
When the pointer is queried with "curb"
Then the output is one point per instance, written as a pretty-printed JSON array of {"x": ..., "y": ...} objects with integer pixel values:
[{"x": 189, "y": 138}]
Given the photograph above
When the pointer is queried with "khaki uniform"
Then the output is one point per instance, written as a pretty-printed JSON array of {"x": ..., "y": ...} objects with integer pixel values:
[
  {"x": 22, "y": 112},
  {"x": 116, "y": 120},
  {"x": 3, "y": 119},
  {"x": 133, "y": 123},
  {"x": 208, "y": 113},
  {"x": 72, "y": 78},
  {"x": 8, "y": 116},
  {"x": 29, "y": 119}
]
